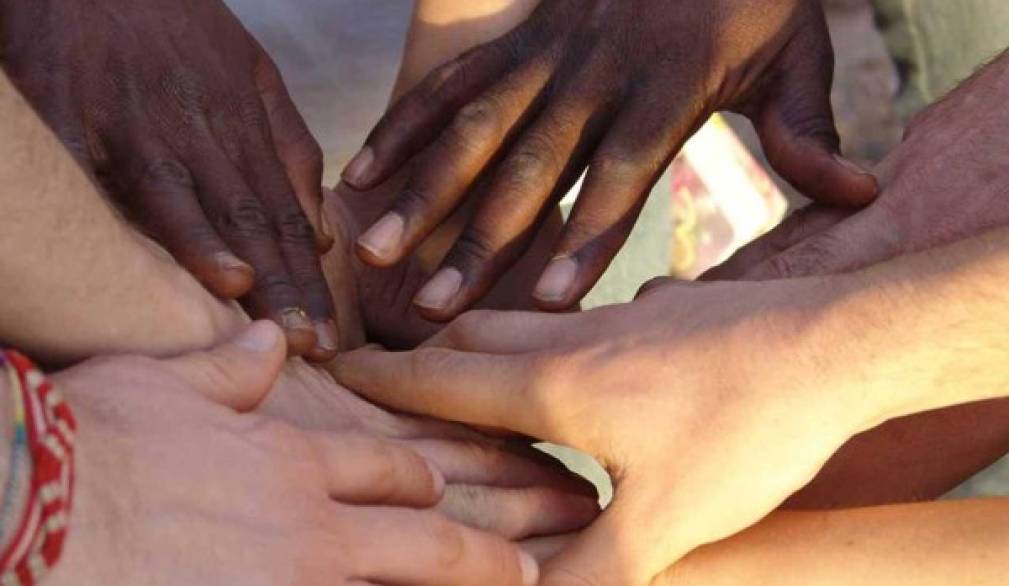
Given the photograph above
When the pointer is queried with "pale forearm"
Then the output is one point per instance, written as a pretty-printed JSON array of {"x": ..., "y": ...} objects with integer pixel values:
[
  {"x": 921, "y": 332},
  {"x": 75, "y": 281},
  {"x": 934, "y": 544}
]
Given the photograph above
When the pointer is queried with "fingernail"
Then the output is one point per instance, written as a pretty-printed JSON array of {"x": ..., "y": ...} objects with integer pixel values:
[
  {"x": 260, "y": 337},
  {"x": 557, "y": 279},
  {"x": 851, "y": 165},
  {"x": 439, "y": 292},
  {"x": 437, "y": 478},
  {"x": 382, "y": 238},
  {"x": 530, "y": 569},
  {"x": 327, "y": 336},
  {"x": 359, "y": 167},
  {"x": 294, "y": 318},
  {"x": 229, "y": 262}
]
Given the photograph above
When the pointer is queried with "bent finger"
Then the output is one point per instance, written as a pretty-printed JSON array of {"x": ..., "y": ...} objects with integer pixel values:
[
  {"x": 622, "y": 173},
  {"x": 497, "y": 465},
  {"x": 518, "y": 513},
  {"x": 450, "y": 167},
  {"x": 423, "y": 548},
  {"x": 540, "y": 168},
  {"x": 797, "y": 131},
  {"x": 243, "y": 221},
  {"x": 419, "y": 117},
  {"x": 368, "y": 470},
  {"x": 297, "y": 149},
  {"x": 499, "y": 392},
  {"x": 295, "y": 239}
]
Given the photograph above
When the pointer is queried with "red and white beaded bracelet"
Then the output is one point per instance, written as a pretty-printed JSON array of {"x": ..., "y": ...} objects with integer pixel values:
[{"x": 38, "y": 542}]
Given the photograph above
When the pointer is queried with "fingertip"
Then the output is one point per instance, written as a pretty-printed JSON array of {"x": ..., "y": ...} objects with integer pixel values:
[
  {"x": 359, "y": 172},
  {"x": 229, "y": 277},
  {"x": 829, "y": 178},
  {"x": 298, "y": 329},
  {"x": 380, "y": 245},
  {"x": 261, "y": 337},
  {"x": 438, "y": 299},
  {"x": 556, "y": 289},
  {"x": 327, "y": 344}
]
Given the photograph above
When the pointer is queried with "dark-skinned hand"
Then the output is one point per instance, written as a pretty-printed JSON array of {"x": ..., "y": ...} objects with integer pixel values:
[
  {"x": 614, "y": 86},
  {"x": 181, "y": 114}
]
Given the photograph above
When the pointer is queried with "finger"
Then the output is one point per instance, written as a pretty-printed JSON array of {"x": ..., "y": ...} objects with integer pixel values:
[
  {"x": 368, "y": 470},
  {"x": 423, "y": 548},
  {"x": 242, "y": 220},
  {"x": 419, "y": 117},
  {"x": 862, "y": 240},
  {"x": 622, "y": 172},
  {"x": 164, "y": 202},
  {"x": 485, "y": 464},
  {"x": 297, "y": 149},
  {"x": 160, "y": 195},
  {"x": 796, "y": 128},
  {"x": 800, "y": 225},
  {"x": 514, "y": 332},
  {"x": 539, "y": 169},
  {"x": 518, "y": 513},
  {"x": 545, "y": 548},
  {"x": 296, "y": 240},
  {"x": 450, "y": 167},
  {"x": 238, "y": 373},
  {"x": 501, "y": 392}
]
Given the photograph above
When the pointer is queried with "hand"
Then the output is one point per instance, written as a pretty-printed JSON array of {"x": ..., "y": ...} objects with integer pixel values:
[
  {"x": 377, "y": 301},
  {"x": 680, "y": 394},
  {"x": 180, "y": 112},
  {"x": 503, "y": 486},
  {"x": 165, "y": 475},
  {"x": 616, "y": 87},
  {"x": 945, "y": 182}
]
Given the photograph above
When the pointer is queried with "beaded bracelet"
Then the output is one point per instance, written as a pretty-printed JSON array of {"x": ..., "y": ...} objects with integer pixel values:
[
  {"x": 19, "y": 448},
  {"x": 49, "y": 430}
]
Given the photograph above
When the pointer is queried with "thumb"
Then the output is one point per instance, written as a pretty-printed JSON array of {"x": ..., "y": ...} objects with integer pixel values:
[
  {"x": 862, "y": 240},
  {"x": 796, "y": 128},
  {"x": 238, "y": 373}
]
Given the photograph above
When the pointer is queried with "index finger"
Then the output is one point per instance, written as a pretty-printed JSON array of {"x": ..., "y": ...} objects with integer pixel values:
[{"x": 502, "y": 392}]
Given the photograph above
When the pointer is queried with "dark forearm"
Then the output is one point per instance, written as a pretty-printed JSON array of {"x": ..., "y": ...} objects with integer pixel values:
[{"x": 920, "y": 457}]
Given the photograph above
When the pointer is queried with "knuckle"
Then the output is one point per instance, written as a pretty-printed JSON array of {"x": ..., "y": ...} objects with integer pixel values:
[
  {"x": 162, "y": 172},
  {"x": 251, "y": 114},
  {"x": 295, "y": 228},
  {"x": 474, "y": 247},
  {"x": 529, "y": 167},
  {"x": 415, "y": 200},
  {"x": 475, "y": 127},
  {"x": 244, "y": 214},
  {"x": 620, "y": 167},
  {"x": 276, "y": 285}
]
